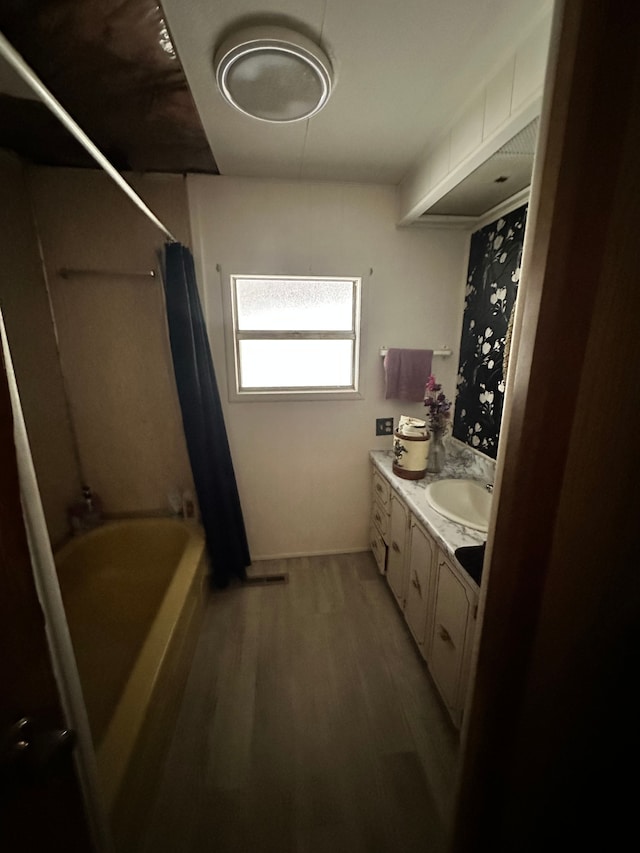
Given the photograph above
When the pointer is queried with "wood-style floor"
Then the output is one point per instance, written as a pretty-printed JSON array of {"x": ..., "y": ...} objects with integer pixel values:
[{"x": 309, "y": 724}]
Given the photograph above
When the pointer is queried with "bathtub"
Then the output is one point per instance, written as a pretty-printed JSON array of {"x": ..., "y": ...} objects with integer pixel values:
[{"x": 133, "y": 593}]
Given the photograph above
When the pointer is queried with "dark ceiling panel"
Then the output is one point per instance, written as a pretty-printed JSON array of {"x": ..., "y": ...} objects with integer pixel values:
[
  {"x": 112, "y": 65},
  {"x": 28, "y": 128}
]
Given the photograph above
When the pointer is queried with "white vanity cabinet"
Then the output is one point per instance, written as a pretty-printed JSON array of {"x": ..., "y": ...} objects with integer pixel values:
[
  {"x": 381, "y": 490},
  {"x": 437, "y": 598},
  {"x": 379, "y": 524},
  {"x": 455, "y": 606},
  {"x": 421, "y": 571},
  {"x": 379, "y": 548},
  {"x": 397, "y": 553}
]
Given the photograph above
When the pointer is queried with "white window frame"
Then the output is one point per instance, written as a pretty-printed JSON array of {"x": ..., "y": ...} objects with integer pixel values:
[{"x": 238, "y": 394}]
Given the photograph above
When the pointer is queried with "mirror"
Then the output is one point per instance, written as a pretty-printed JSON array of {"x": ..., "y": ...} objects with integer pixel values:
[{"x": 495, "y": 259}]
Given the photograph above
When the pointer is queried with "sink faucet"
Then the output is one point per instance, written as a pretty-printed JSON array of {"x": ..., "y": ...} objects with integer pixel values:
[{"x": 489, "y": 487}]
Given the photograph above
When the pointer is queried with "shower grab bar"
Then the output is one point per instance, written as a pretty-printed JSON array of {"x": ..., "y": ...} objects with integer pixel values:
[
  {"x": 444, "y": 352},
  {"x": 67, "y": 272}
]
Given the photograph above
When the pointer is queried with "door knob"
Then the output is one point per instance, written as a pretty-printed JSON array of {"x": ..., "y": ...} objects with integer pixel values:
[{"x": 28, "y": 752}]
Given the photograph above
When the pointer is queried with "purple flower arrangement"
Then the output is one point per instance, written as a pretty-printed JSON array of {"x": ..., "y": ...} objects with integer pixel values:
[{"x": 438, "y": 407}]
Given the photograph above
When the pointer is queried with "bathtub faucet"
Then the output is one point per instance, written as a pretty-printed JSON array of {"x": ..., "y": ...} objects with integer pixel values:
[
  {"x": 88, "y": 499},
  {"x": 85, "y": 514}
]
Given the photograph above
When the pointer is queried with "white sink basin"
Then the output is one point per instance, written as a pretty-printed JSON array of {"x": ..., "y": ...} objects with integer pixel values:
[{"x": 464, "y": 501}]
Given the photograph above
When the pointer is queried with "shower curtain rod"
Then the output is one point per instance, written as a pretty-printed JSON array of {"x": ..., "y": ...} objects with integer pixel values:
[
  {"x": 33, "y": 81},
  {"x": 68, "y": 272}
]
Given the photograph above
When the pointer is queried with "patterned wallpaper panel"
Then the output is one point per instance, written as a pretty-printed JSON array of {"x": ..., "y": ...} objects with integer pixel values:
[{"x": 492, "y": 285}]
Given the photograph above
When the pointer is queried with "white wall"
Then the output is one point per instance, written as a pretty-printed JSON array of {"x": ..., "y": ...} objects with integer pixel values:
[
  {"x": 302, "y": 467},
  {"x": 112, "y": 334},
  {"x": 25, "y": 304}
]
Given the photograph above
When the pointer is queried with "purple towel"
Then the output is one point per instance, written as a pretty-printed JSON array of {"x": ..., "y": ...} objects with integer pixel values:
[{"x": 406, "y": 373}]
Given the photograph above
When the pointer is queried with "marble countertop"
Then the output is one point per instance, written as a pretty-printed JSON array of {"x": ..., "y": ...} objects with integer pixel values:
[{"x": 448, "y": 534}]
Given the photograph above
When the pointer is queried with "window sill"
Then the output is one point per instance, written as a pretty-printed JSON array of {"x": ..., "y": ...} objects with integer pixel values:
[{"x": 293, "y": 396}]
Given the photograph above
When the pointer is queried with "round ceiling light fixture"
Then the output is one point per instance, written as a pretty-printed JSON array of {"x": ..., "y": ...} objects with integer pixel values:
[{"x": 273, "y": 74}]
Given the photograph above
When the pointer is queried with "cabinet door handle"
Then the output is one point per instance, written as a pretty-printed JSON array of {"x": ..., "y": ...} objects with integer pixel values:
[
  {"x": 378, "y": 517},
  {"x": 374, "y": 545},
  {"x": 445, "y": 635},
  {"x": 378, "y": 487},
  {"x": 395, "y": 547},
  {"x": 416, "y": 584}
]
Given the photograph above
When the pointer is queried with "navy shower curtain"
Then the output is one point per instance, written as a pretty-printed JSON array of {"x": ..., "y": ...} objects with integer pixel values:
[{"x": 203, "y": 421}]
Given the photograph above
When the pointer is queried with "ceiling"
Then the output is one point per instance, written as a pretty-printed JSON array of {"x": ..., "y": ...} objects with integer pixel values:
[
  {"x": 402, "y": 70},
  {"x": 139, "y": 79},
  {"x": 500, "y": 177}
]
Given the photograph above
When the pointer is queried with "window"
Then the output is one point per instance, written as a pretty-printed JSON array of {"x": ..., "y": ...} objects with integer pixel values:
[{"x": 295, "y": 337}]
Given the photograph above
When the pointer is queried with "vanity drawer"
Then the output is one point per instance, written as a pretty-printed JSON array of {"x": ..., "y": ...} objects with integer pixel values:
[
  {"x": 380, "y": 518},
  {"x": 381, "y": 490},
  {"x": 379, "y": 548}
]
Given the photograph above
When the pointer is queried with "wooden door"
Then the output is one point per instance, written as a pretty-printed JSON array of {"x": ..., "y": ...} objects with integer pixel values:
[
  {"x": 40, "y": 808},
  {"x": 551, "y": 739}
]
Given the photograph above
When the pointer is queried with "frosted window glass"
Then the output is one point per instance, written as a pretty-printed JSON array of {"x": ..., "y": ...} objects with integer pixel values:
[
  {"x": 296, "y": 364},
  {"x": 304, "y": 306}
]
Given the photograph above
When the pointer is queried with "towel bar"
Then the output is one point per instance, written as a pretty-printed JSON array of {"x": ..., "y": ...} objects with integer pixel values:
[{"x": 444, "y": 352}]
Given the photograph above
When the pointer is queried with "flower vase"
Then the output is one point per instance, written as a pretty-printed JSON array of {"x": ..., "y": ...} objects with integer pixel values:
[{"x": 437, "y": 453}]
